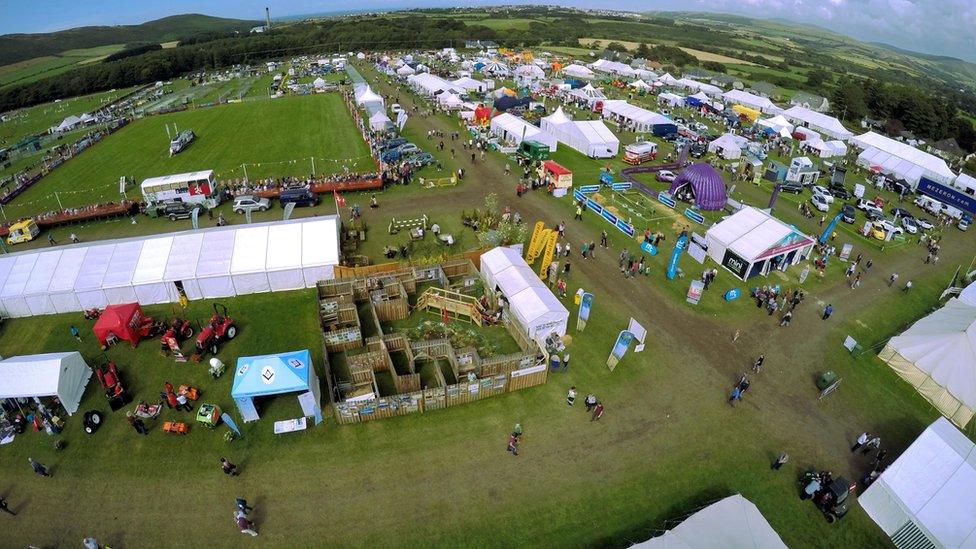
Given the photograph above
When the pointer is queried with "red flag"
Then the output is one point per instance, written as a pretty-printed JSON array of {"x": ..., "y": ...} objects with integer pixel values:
[
  {"x": 445, "y": 316},
  {"x": 340, "y": 202}
]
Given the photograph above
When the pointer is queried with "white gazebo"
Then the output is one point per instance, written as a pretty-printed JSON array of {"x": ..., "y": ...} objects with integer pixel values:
[
  {"x": 589, "y": 137},
  {"x": 534, "y": 308},
  {"x": 64, "y": 375},
  {"x": 937, "y": 356},
  {"x": 925, "y": 497},
  {"x": 751, "y": 243},
  {"x": 577, "y": 71}
]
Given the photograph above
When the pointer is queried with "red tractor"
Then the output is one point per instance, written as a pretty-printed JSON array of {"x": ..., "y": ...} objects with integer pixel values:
[
  {"x": 178, "y": 331},
  {"x": 220, "y": 328},
  {"x": 108, "y": 375}
]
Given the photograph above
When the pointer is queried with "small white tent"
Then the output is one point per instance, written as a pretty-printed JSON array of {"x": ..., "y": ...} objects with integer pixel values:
[
  {"x": 406, "y": 70},
  {"x": 535, "y": 309},
  {"x": 319, "y": 83},
  {"x": 925, "y": 497},
  {"x": 513, "y": 129},
  {"x": 937, "y": 356},
  {"x": 728, "y": 146},
  {"x": 730, "y": 523},
  {"x": 63, "y": 375}
]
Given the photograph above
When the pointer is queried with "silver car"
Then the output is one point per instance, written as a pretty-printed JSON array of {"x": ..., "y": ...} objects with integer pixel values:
[{"x": 250, "y": 203}]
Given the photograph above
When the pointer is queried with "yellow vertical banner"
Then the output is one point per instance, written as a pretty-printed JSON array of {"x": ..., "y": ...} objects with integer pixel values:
[
  {"x": 547, "y": 255},
  {"x": 536, "y": 242}
]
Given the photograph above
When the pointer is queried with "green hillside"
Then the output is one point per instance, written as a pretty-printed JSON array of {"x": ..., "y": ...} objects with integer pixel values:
[{"x": 21, "y": 47}]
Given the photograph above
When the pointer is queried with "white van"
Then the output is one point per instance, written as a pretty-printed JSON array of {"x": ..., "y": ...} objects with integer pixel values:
[{"x": 930, "y": 205}]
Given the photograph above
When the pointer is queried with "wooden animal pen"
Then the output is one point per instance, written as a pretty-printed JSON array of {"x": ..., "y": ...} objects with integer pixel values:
[{"x": 377, "y": 294}]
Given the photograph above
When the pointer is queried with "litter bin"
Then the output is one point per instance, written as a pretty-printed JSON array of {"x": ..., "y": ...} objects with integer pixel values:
[{"x": 826, "y": 380}]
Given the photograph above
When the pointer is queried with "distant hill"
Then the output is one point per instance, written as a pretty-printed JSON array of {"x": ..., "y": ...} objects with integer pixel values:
[
  {"x": 20, "y": 47},
  {"x": 798, "y": 37}
]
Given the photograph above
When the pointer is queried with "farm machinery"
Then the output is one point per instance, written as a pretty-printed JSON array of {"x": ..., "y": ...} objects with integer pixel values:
[
  {"x": 220, "y": 328},
  {"x": 108, "y": 375}
]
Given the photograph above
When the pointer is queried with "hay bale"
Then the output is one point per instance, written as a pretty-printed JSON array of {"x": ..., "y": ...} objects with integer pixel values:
[{"x": 598, "y": 198}]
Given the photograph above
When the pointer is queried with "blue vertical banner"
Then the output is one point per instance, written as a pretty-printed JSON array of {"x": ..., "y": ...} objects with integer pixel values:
[
  {"x": 679, "y": 247},
  {"x": 619, "y": 348},
  {"x": 584, "y": 311}
]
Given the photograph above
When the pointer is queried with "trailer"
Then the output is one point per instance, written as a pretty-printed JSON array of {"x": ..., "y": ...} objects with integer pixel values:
[{"x": 181, "y": 141}]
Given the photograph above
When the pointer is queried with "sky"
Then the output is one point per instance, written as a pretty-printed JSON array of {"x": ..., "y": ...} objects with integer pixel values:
[{"x": 945, "y": 27}]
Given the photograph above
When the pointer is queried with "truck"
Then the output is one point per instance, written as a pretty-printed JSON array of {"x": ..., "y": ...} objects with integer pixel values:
[
  {"x": 640, "y": 152},
  {"x": 24, "y": 230}
]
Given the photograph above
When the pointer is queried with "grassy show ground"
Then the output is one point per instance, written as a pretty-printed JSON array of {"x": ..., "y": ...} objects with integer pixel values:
[
  {"x": 40, "y": 118},
  {"x": 275, "y": 138},
  {"x": 667, "y": 445}
]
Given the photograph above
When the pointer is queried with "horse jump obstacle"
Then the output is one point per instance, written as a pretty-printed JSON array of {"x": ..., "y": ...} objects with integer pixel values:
[{"x": 408, "y": 224}]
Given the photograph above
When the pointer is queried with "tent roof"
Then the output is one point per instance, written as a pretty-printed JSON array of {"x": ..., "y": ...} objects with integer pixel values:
[
  {"x": 707, "y": 184},
  {"x": 272, "y": 374},
  {"x": 34, "y": 375},
  {"x": 750, "y": 100},
  {"x": 624, "y": 109},
  {"x": 559, "y": 117},
  {"x": 820, "y": 121},
  {"x": 730, "y": 523},
  {"x": 943, "y": 345},
  {"x": 924, "y": 161},
  {"x": 18, "y": 276},
  {"x": 152, "y": 262},
  {"x": 43, "y": 272},
  {"x": 756, "y": 235},
  {"x": 930, "y": 484},
  {"x": 529, "y": 298},
  {"x": 176, "y": 178},
  {"x": 968, "y": 294},
  {"x": 68, "y": 269}
]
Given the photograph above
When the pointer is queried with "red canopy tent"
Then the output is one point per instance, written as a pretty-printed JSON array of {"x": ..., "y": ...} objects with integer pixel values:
[{"x": 123, "y": 321}]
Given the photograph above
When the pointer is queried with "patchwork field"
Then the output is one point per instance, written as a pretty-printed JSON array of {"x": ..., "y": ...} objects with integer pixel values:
[
  {"x": 274, "y": 138},
  {"x": 52, "y": 65}
]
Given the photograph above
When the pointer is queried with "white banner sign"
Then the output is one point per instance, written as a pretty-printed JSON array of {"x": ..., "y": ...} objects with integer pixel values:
[{"x": 527, "y": 371}]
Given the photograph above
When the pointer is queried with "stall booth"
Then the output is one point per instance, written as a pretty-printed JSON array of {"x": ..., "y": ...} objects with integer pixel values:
[
  {"x": 62, "y": 375},
  {"x": 268, "y": 375},
  {"x": 551, "y": 172},
  {"x": 752, "y": 243},
  {"x": 119, "y": 322}
]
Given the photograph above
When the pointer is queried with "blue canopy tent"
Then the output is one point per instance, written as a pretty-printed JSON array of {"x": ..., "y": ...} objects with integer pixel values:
[{"x": 267, "y": 375}]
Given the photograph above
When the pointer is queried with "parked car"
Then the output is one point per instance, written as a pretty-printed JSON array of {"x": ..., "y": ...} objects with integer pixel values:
[
  {"x": 698, "y": 150},
  {"x": 874, "y": 214},
  {"x": 963, "y": 224},
  {"x": 421, "y": 160},
  {"x": 908, "y": 223},
  {"x": 840, "y": 192},
  {"x": 901, "y": 212},
  {"x": 820, "y": 202},
  {"x": 699, "y": 127},
  {"x": 390, "y": 144},
  {"x": 890, "y": 227},
  {"x": 665, "y": 175},
  {"x": 408, "y": 149},
  {"x": 924, "y": 224},
  {"x": 177, "y": 210},
  {"x": 300, "y": 196},
  {"x": 822, "y": 191},
  {"x": 396, "y": 108},
  {"x": 794, "y": 187},
  {"x": 390, "y": 156},
  {"x": 848, "y": 212},
  {"x": 673, "y": 136},
  {"x": 248, "y": 202}
]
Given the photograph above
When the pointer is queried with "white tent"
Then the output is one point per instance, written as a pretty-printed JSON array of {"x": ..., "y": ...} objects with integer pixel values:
[
  {"x": 366, "y": 96},
  {"x": 319, "y": 83},
  {"x": 752, "y": 101},
  {"x": 668, "y": 80},
  {"x": 826, "y": 149},
  {"x": 535, "y": 309},
  {"x": 730, "y": 523},
  {"x": 591, "y": 137},
  {"x": 778, "y": 124},
  {"x": 671, "y": 99},
  {"x": 379, "y": 121},
  {"x": 968, "y": 294},
  {"x": 613, "y": 67},
  {"x": 449, "y": 100},
  {"x": 901, "y": 159},
  {"x": 406, "y": 70},
  {"x": 529, "y": 72},
  {"x": 207, "y": 263},
  {"x": 728, "y": 146},
  {"x": 925, "y": 497},
  {"x": 588, "y": 94},
  {"x": 640, "y": 85},
  {"x": 751, "y": 242},
  {"x": 819, "y": 121},
  {"x": 63, "y": 375},
  {"x": 937, "y": 356},
  {"x": 470, "y": 84},
  {"x": 577, "y": 71},
  {"x": 430, "y": 84},
  {"x": 511, "y": 128},
  {"x": 640, "y": 119}
]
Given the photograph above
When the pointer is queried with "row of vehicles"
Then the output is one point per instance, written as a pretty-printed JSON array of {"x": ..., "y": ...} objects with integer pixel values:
[{"x": 394, "y": 150}]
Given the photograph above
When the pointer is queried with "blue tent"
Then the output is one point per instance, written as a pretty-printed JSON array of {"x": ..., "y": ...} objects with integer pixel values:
[{"x": 259, "y": 376}]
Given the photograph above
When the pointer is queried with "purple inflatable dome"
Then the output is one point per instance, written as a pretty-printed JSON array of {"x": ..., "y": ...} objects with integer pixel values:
[{"x": 706, "y": 184}]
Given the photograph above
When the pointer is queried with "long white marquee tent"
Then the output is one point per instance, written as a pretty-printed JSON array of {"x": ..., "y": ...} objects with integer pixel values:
[
  {"x": 207, "y": 263},
  {"x": 750, "y": 100},
  {"x": 511, "y": 128},
  {"x": 536, "y": 309},
  {"x": 818, "y": 121},
  {"x": 642, "y": 120},
  {"x": 925, "y": 497},
  {"x": 590, "y": 137},
  {"x": 900, "y": 159}
]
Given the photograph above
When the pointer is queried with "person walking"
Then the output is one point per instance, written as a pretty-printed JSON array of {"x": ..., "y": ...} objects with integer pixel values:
[
  {"x": 75, "y": 332},
  {"x": 518, "y": 430},
  {"x": 38, "y": 467},
  {"x": 892, "y": 279},
  {"x": 735, "y": 335},
  {"x": 908, "y": 287},
  {"x": 565, "y": 365},
  {"x": 590, "y": 402},
  {"x": 736, "y": 395},
  {"x": 50, "y": 239},
  {"x": 783, "y": 458},
  {"x": 603, "y": 239},
  {"x": 571, "y": 396},
  {"x": 5, "y": 508},
  {"x": 579, "y": 213},
  {"x": 242, "y": 506},
  {"x": 861, "y": 440},
  {"x": 567, "y": 250},
  {"x": 787, "y": 318},
  {"x": 513, "y": 440},
  {"x": 74, "y": 238},
  {"x": 245, "y": 525},
  {"x": 758, "y": 366},
  {"x": 828, "y": 310},
  {"x": 228, "y": 468},
  {"x": 566, "y": 265},
  {"x": 597, "y": 412},
  {"x": 879, "y": 458}
]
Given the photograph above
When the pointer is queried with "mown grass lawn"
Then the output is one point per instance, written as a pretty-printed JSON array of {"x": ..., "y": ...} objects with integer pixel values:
[
  {"x": 40, "y": 118},
  {"x": 274, "y": 138}
]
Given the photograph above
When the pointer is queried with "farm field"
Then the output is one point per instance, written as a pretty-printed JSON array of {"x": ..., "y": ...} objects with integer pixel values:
[
  {"x": 274, "y": 138},
  {"x": 31, "y": 70},
  {"x": 700, "y": 55}
]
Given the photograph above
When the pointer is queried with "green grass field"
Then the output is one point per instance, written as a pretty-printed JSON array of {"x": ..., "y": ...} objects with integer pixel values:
[
  {"x": 31, "y": 70},
  {"x": 275, "y": 138},
  {"x": 42, "y": 117}
]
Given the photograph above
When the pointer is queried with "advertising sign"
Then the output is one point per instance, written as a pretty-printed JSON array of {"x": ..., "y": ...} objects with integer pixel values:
[
  {"x": 694, "y": 216},
  {"x": 845, "y": 251},
  {"x": 734, "y": 263},
  {"x": 648, "y": 247},
  {"x": 586, "y": 303},
  {"x": 696, "y": 252},
  {"x": 679, "y": 247},
  {"x": 619, "y": 348},
  {"x": 695, "y": 291},
  {"x": 950, "y": 196},
  {"x": 733, "y": 294},
  {"x": 665, "y": 198},
  {"x": 804, "y": 274}
]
